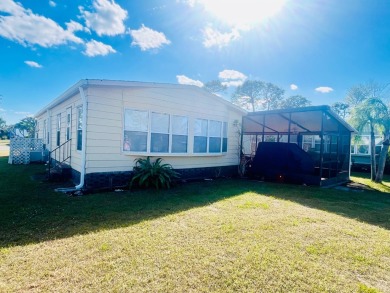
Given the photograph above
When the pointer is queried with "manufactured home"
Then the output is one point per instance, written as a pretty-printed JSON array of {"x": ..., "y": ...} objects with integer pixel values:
[{"x": 99, "y": 127}]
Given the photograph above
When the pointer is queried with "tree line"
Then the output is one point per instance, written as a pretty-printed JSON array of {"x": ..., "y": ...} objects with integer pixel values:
[
  {"x": 255, "y": 95},
  {"x": 24, "y": 128}
]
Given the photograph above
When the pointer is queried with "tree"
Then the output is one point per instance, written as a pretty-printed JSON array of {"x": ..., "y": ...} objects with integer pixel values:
[
  {"x": 3, "y": 128},
  {"x": 341, "y": 109},
  {"x": 26, "y": 127},
  {"x": 249, "y": 95},
  {"x": 296, "y": 101},
  {"x": 2, "y": 124},
  {"x": 258, "y": 95},
  {"x": 273, "y": 96},
  {"x": 369, "y": 109},
  {"x": 215, "y": 86}
]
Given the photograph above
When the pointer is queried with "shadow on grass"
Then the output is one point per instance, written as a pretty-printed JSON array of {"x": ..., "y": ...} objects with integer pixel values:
[{"x": 31, "y": 212}]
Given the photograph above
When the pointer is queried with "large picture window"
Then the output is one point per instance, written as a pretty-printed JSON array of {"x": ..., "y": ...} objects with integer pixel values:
[
  {"x": 136, "y": 131},
  {"x": 153, "y": 132}
]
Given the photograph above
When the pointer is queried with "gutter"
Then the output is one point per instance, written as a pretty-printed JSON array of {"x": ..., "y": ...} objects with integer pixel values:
[{"x": 80, "y": 186}]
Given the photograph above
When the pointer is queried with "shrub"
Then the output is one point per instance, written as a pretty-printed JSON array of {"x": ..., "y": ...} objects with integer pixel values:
[{"x": 153, "y": 174}]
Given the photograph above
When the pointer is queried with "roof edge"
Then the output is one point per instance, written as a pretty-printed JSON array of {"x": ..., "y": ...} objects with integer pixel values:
[{"x": 121, "y": 83}]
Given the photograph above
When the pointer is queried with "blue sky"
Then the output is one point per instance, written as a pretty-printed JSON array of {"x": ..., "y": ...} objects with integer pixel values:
[{"x": 318, "y": 49}]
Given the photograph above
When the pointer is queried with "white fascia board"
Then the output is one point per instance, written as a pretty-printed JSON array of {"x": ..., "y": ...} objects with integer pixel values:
[
  {"x": 120, "y": 83},
  {"x": 63, "y": 97}
]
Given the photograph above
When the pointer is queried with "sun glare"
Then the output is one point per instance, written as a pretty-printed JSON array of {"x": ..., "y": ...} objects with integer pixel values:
[{"x": 243, "y": 12}]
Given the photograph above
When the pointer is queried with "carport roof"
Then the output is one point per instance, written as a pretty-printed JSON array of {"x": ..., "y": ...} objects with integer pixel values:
[{"x": 312, "y": 119}]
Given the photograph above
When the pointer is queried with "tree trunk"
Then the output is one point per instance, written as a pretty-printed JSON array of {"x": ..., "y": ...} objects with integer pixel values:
[
  {"x": 373, "y": 159},
  {"x": 382, "y": 159}
]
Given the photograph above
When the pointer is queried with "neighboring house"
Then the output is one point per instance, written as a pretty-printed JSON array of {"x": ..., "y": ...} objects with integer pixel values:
[
  {"x": 104, "y": 125},
  {"x": 361, "y": 149}
]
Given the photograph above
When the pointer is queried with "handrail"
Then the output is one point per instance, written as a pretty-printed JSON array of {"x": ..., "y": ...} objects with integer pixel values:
[{"x": 66, "y": 154}]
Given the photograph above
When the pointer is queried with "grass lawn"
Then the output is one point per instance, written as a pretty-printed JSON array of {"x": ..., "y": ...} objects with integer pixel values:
[{"x": 214, "y": 236}]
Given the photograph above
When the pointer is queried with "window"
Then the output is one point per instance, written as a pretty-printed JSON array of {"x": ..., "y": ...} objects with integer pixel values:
[
  {"x": 45, "y": 132},
  {"x": 200, "y": 135},
  {"x": 153, "y": 132},
  {"x": 136, "y": 131},
  {"x": 179, "y": 134},
  {"x": 68, "y": 123},
  {"x": 215, "y": 131},
  {"x": 210, "y": 136},
  {"x": 159, "y": 142},
  {"x": 79, "y": 128},
  {"x": 224, "y": 138},
  {"x": 58, "y": 129},
  {"x": 37, "y": 130}
]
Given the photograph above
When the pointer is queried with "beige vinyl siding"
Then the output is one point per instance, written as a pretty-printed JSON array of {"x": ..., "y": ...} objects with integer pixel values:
[
  {"x": 106, "y": 107},
  {"x": 72, "y": 102}
]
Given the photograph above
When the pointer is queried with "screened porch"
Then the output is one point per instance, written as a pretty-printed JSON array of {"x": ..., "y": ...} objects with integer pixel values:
[{"x": 317, "y": 151}]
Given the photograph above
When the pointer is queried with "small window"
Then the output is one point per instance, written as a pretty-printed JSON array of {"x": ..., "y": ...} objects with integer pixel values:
[
  {"x": 68, "y": 123},
  {"x": 58, "y": 129},
  {"x": 79, "y": 128},
  {"x": 45, "y": 132},
  {"x": 200, "y": 136}
]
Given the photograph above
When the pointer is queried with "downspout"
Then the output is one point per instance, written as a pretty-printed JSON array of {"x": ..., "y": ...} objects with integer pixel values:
[{"x": 83, "y": 147}]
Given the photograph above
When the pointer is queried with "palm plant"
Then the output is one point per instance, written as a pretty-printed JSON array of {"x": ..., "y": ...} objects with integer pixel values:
[{"x": 153, "y": 174}]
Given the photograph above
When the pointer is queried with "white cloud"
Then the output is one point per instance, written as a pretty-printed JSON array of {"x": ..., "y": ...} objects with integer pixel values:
[
  {"x": 293, "y": 87},
  {"x": 148, "y": 39},
  {"x": 106, "y": 19},
  {"x": 74, "y": 26},
  {"x": 3, "y": 110},
  {"x": 52, "y": 4},
  {"x": 232, "y": 77},
  {"x": 324, "y": 89},
  {"x": 33, "y": 64},
  {"x": 9, "y": 6},
  {"x": 95, "y": 48},
  {"x": 182, "y": 79},
  {"x": 213, "y": 37},
  {"x": 22, "y": 113},
  {"x": 27, "y": 28}
]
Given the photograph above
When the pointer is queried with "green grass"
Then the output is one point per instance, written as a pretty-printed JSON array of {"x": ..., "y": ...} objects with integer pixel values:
[
  {"x": 214, "y": 236},
  {"x": 364, "y": 178}
]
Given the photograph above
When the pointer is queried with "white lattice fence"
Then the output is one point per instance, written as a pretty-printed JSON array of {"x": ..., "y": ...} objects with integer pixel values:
[{"x": 20, "y": 149}]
